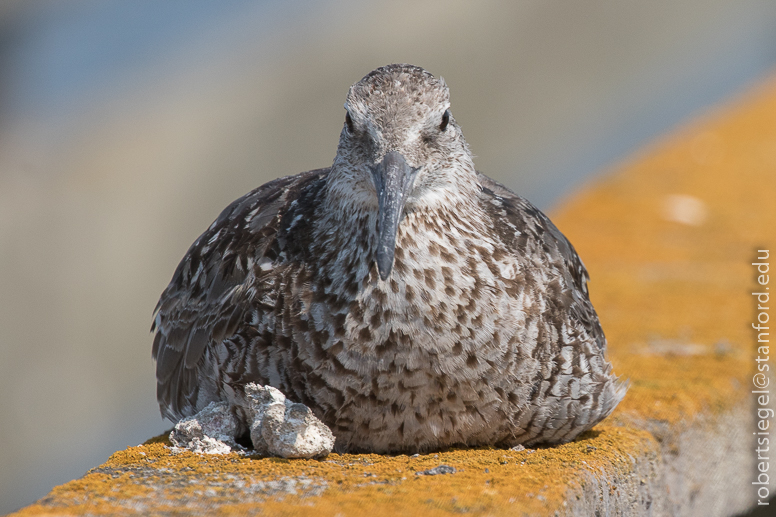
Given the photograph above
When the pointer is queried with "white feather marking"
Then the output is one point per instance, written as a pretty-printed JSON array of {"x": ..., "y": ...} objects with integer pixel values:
[{"x": 215, "y": 237}]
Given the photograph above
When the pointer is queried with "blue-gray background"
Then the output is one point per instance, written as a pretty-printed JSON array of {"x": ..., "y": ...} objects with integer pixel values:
[{"x": 126, "y": 126}]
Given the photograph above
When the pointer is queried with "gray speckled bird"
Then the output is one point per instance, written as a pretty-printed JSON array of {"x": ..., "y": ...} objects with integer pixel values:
[{"x": 410, "y": 301}]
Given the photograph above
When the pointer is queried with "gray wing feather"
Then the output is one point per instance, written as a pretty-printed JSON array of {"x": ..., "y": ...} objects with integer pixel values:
[
  {"x": 535, "y": 228},
  {"x": 209, "y": 295}
]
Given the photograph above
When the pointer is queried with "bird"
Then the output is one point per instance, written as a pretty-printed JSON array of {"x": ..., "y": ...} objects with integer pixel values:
[{"x": 410, "y": 301}]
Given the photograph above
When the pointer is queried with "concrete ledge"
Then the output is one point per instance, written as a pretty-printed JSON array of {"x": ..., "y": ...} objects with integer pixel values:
[{"x": 669, "y": 240}]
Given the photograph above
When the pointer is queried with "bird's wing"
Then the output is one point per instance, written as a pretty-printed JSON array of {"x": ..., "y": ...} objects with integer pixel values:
[
  {"x": 213, "y": 288},
  {"x": 530, "y": 233}
]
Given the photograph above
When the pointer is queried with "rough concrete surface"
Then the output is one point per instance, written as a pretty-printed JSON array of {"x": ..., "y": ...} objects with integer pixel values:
[
  {"x": 707, "y": 469},
  {"x": 669, "y": 239}
]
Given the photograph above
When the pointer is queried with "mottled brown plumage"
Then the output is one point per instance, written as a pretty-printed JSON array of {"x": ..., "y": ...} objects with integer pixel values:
[{"x": 410, "y": 301}]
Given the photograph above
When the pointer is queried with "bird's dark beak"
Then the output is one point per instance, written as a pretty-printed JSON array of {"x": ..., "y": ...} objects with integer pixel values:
[{"x": 393, "y": 181}]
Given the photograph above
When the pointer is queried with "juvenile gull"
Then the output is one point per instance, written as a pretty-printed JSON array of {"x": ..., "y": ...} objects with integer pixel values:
[{"x": 410, "y": 301}]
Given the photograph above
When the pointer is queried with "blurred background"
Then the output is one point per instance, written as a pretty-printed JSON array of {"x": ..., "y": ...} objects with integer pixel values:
[{"x": 126, "y": 126}]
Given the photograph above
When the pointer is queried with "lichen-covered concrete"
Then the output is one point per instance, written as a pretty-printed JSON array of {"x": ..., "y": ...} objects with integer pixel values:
[
  {"x": 148, "y": 478},
  {"x": 668, "y": 238}
]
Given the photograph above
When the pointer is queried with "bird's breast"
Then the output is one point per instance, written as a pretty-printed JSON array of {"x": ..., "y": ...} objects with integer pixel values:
[
  {"x": 449, "y": 305},
  {"x": 440, "y": 336}
]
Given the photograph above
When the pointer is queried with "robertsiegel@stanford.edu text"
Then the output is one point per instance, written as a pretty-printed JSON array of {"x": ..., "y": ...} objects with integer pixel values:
[{"x": 761, "y": 379}]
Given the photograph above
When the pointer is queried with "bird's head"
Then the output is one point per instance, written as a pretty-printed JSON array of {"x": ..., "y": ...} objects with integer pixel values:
[{"x": 401, "y": 150}]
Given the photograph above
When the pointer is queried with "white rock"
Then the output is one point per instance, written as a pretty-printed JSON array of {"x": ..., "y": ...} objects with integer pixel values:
[
  {"x": 283, "y": 428},
  {"x": 295, "y": 432},
  {"x": 208, "y": 445},
  {"x": 278, "y": 427},
  {"x": 211, "y": 431},
  {"x": 259, "y": 397}
]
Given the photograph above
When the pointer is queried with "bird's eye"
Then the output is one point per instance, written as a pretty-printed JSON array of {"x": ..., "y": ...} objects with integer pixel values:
[
  {"x": 349, "y": 122},
  {"x": 445, "y": 120}
]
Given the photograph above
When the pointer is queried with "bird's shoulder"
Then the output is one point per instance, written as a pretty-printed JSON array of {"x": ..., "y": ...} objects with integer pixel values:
[
  {"x": 525, "y": 228},
  {"x": 536, "y": 242},
  {"x": 244, "y": 233}
]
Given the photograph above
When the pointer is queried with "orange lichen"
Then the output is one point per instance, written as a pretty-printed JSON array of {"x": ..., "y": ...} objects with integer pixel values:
[
  {"x": 673, "y": 298},
  {"x": 494, "y": 480}
]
